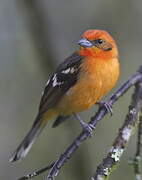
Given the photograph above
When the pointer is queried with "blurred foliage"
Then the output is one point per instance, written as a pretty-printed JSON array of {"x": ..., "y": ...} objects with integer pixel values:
[{"x": 35, "y": 36}]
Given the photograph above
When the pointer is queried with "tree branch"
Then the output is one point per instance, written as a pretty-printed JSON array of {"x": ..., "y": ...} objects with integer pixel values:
[
  {"x": 113, "y": 157},
  {"x": 137, "y": 77},
  {"x": 137, "y": 159},
  {"x": 94, "y": 121},
  {"x": 36, "y": 173}
]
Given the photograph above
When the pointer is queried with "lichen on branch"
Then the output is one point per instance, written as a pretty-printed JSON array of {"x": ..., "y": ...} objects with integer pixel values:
[{"x": 120, "y": 143}]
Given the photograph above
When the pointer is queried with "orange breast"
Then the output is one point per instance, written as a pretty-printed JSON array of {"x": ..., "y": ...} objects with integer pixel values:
[{"x": 98, "y": 77}]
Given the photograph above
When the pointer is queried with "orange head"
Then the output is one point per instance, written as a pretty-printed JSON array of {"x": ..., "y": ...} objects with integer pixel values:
[{"x": 98, "y": 43}]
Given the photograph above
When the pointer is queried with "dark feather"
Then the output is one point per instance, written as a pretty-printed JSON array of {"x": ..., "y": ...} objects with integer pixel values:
[
  {"x": 59, "y": 120},
  {"x": 60, "y": 82},
  {"x": 63, "y": 79}
]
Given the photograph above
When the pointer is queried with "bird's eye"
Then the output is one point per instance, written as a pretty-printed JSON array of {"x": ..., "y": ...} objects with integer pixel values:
[
  {"x": 100, "y": 41},
  {"x": 102, "y": 44}
]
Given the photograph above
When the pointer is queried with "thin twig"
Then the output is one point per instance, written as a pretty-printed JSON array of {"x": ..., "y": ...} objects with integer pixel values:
[
  {"x": 36, "y": 173},
  {"x": 113, "y": 157},
  {"x": 138, "y": 156},
  {"x": 94, "y": 121}
]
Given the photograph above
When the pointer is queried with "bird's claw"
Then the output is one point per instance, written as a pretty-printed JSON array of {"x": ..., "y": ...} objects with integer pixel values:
[
  {"x": 88, "y": 127},
  {"x": 107, "y": 105}
]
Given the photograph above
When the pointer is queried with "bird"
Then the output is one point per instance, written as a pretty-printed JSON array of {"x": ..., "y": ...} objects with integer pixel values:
[{"x": 77, "y": 84}]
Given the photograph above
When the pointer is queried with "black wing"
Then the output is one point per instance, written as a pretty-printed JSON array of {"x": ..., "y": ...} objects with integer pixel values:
[{"x": 64, "y": 78}]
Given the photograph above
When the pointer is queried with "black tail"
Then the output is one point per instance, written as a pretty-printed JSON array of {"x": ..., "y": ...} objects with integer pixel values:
[{"x": 27, "y": 143}]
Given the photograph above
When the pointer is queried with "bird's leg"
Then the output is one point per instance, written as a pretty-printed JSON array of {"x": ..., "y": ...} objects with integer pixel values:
[
  {"x": 107, "y": 105},
  {"x": 85, "y": 126}
]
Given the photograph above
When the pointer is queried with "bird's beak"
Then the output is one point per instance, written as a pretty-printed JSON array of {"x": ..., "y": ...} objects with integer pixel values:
[{"x": 85, "y": 43}]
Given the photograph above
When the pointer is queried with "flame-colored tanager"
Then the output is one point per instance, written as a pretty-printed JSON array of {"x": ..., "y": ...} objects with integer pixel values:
[{"x": 77, "y": 84}]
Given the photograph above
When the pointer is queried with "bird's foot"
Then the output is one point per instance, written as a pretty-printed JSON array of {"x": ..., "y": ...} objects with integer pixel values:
[
  {"x": 107, "y": 105},
  {"x": 86, "y": 127}
]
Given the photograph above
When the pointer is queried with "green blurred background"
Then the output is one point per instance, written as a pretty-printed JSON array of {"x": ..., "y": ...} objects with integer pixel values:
[{"x": 35, "y": 36}]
